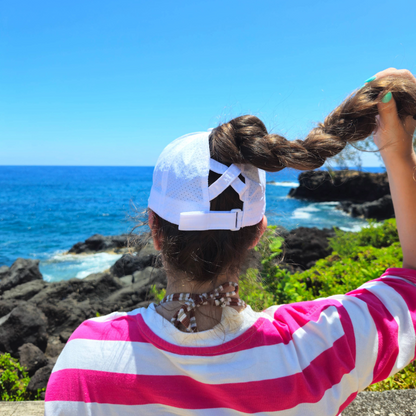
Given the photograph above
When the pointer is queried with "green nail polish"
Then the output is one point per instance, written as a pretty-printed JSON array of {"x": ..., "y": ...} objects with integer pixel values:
[
  {"x": 370, "y": 79},
  {"x": 387, "y": 97}
]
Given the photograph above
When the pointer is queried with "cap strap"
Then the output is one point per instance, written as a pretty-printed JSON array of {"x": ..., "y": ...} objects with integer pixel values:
[
  {"x": 229, "y": 177},
  {"x": 214, "y": 220}
]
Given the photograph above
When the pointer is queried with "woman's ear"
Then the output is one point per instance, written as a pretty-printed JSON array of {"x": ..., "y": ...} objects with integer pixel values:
[
  {"x": 154, "y": 226},
  {"x": 263, "y": 227}
]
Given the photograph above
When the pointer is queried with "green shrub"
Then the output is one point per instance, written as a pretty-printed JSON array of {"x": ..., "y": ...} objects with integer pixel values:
[
  {"x": 376, "y": 234},
  {"x": 158, "y": 295},
  {"x": 253, "y": 293},
  {"x": 357, "y": 258},
  {"x": 14, "y": 381}
]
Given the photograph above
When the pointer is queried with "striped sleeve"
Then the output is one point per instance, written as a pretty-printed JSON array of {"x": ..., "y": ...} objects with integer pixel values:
[
  {"x": 383, "y": 314},
  {"x": 365, "y": 335}
]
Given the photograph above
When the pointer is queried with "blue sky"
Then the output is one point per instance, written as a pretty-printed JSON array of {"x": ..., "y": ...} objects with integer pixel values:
[{"x": 111, "y": 83}]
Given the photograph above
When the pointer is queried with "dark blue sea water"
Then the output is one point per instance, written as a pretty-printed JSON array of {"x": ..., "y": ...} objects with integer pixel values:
[{"x": 44, "y": 210}]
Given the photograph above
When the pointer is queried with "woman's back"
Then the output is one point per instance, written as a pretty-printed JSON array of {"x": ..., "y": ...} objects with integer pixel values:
[{"x": 298, "y": 359}]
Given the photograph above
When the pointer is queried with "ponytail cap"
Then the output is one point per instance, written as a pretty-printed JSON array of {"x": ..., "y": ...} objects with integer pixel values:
[{"x": 181, "y": 194}]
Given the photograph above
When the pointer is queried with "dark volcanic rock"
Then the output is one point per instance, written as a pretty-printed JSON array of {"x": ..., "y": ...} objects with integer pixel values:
[
  {"x": 128, "y": 264},
  {"x": 98, "y": 243},
  {"x": 24, "y": 291},
  {"x": 31, "y": 357},
  {"x": 64, "y": 336},
  {"x": 344, "y": 185},
  {"x": 67, "y": 315},
  {"x": 21, "y": 271},
  {"x": 381, "y": 209},
  {"x": 54, "y": 348},
  {"x": 4, "y": 272},
  {"x": 40, "y": 379},
  {"x": 68, "y": 303},
  {"x": 78, "y": 289},
  {"x": 304, "y": 246},
  {"x": 24, "y": 324},
  {"x": 6, "y": 306},
  {"x": 127, "y": 297}
]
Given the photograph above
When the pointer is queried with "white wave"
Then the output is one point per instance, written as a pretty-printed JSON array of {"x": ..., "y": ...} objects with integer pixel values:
[
  {"x": 329, "y": 203},
  {"x": 284, "y": 183},
  {"x": 306, "y": 212},
  {"x": 65, "y": 266},
  {"x": 301, "y": 213}
]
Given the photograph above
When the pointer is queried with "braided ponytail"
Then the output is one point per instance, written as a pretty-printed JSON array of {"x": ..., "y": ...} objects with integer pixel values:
[
  {"x": 245, "y": 139},
  {"x": 204, "y": 255}
]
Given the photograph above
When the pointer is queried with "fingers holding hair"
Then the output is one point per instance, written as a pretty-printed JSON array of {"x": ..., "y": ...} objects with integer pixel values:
[{"x": 392, "y": 135}]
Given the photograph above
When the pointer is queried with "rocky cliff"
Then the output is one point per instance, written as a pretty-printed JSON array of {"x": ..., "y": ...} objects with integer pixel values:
[{"x": 361, "y": 194}]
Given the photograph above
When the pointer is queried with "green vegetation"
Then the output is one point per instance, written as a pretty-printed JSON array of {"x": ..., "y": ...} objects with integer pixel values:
[
  {"x": 14, "y": 381},
  {"x": 356, "y": 258},
  {"x": 158, "y": 295}
]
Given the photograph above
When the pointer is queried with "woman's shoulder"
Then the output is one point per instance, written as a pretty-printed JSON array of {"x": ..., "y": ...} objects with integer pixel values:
[{"x": 116, "y": 326}]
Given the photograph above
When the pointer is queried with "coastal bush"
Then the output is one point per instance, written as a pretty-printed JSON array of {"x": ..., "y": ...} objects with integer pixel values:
[
  {"x": 356, "y": 258},
  {"x": 158, "y": 295},
  {"x": 376, "y": 235},
  {"x": 14, "y": 381}
]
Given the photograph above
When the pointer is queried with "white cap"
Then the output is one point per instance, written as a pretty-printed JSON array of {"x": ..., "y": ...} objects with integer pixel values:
[{"x": 181, "y": 195}]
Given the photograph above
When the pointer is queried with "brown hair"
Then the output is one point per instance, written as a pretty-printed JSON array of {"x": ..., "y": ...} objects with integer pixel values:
[{"x": 203, "y": 255}]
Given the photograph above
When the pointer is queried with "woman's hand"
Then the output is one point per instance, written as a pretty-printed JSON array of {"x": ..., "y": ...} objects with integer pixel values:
[{"x": 393, "y": 137}]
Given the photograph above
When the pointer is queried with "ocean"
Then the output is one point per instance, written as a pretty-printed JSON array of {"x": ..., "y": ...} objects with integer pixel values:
[{"x": 44, "y": 210}]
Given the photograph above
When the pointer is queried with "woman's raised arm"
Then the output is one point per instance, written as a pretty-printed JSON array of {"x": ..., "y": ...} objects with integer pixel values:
[{"x": 394, "y": 139}]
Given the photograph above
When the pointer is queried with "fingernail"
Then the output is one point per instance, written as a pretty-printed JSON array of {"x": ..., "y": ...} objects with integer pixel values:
[
  {"x": 370, "y": 79},
  {"x": 386, "y": 98}
]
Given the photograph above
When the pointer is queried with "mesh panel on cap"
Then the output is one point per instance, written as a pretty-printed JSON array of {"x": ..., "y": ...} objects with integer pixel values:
[
  {"x": 180, "y": 183},
  {"x": 184, "y": 168}
]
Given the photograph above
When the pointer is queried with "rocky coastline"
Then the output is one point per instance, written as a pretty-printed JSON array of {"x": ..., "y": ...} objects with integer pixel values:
[{"x": 360, "y": 194}]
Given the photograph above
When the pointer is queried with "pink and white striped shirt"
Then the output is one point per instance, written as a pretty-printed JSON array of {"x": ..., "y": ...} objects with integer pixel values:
[{"x": 306, "y": 358}]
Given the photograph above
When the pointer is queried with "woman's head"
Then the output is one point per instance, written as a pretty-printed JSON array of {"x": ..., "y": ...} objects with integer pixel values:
[
  {"x": 203, "y": 254},
  {"x": 206, "y": 214}
]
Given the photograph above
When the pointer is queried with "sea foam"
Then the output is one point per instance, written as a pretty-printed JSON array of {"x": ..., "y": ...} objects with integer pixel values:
[{"x": 61, "y": 266}]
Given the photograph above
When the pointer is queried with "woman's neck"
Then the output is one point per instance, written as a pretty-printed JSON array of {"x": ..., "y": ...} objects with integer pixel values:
[
  {"x": 181, "y": 284},
  {"x": 207, "y": 316}
]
